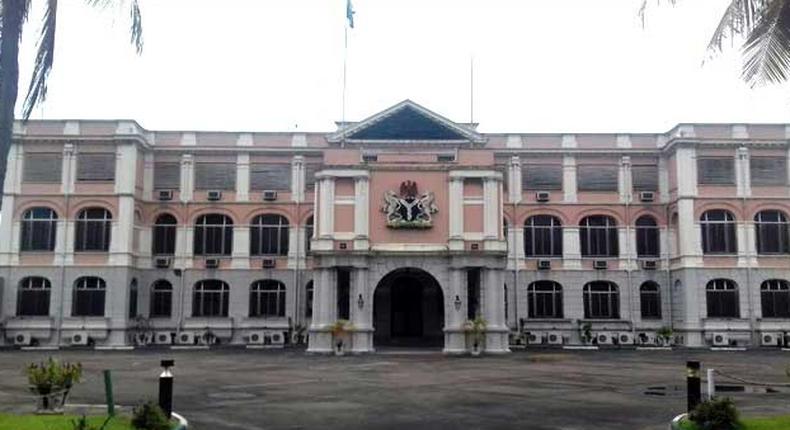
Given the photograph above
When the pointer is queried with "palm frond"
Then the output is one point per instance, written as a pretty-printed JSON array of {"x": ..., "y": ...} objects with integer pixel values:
[
  {"x": 643, "y": 8},
  {"x": 739, "y": 19},
  {"x": 767, "y": 49},
  {"x": 136, "y": 29},
  {"x": 37, "y": 91}
]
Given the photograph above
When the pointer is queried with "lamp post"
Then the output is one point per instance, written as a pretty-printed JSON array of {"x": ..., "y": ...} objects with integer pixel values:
[{"x": 166, "y": 387}]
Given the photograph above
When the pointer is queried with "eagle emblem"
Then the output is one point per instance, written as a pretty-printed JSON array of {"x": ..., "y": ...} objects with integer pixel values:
[{"x": 409, "y": 209}]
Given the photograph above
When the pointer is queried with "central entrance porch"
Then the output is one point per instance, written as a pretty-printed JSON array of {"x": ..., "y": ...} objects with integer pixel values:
[{"x": 408, "y": 310}]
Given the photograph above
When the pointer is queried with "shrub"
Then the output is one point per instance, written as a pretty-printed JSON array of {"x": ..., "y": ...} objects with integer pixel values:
[
  {"x": 716, "y": 414},
  {"x": 51, "y": 381},
  {"x": 149, "y": 416}
]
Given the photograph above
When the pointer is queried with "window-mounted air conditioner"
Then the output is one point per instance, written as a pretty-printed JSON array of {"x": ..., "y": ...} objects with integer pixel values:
[
  {"x": 604, "y": 338},
  {"x": 342, "y": 246},
  {"x": 79, "y": 338},
  {"x": 535, "y": 338},
  {"x": 542, "y": 196},
  {"x": 625, "y": 338},
  {"x": 600, "y": 264},
  {"x": 270, "y": 195},
  {"x": 721, "y": 339},
  {"x": 544, "y": 264},
  {"x": 214, "y": 196},
  {"x": 268, "y": 263},
  {"x": 23, "y": 339},
  {"x": 555, "y": 338},
  {"x": 163, "y": 338},
  {"x": 445, "y": 158},
  {"x": 649, "y": 264},
  {"x": 647, "y": 196},
  {"x": 165, "y": 195},
  {"x": 771, "y": 339},
  {"x": 474, "y": 246},
  {"x": 212, "y": 263},
  {"x": 185, "y": 338},
  {"x": 162, "y": 262},
  {"x": 370, "y": 158},
  {"x": 255, "y": 338}
]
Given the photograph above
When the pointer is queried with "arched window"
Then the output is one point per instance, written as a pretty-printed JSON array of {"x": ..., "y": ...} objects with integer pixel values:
[
  {"x": 722, "y": 298},
  {"x": 213, "y": 235},
  {"x": 269, "y": 235},
  {"x": 718, "y": 232},
  {"x": 33, "y": 297},
  {"x": 308, "y": 300},
  {"x": 88, "y": 301},
  {"x": 93, "y": 230},
  {"x": 507, "y": 303},
  {"x": 210, "y": 299},
  {"x": 647, "y": 237},
  {"x": 308, "y": 232},
  {"x": 133, "y": 299},
  {"x": 598, "y": 234},
  {"x": 772, "y": 233},
  {"x": 650, "y": 300},
  {"x": 505, "y": 230},
  {"x": 161, "y": 299},
  {"x": 164, "y": 232},
  {"x": 544, "y": 299},
  {"x": 267, "y": 299},
  {"x": 39, "y": 226},
  {"x": 543, "y": 236},
  {"x": 775, "y": 295},
  {"x": 601, "y": 300}
]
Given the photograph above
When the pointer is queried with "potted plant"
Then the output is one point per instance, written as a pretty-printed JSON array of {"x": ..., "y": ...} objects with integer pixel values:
[
  {"x": 475, "y": 330},
  {"x": 585, "y": 333},
  {"x": 665, "y": 334},
  {"x": 298, "y": 334},
  {"x": 339, "y": 331},
  {"x": 51, "y": 381}
]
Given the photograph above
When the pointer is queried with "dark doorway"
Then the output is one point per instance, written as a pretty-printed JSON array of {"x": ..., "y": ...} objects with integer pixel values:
[{"x": 408, "y": 310}]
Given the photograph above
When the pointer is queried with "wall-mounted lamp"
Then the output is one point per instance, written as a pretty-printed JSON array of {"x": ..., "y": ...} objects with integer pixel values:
[
  {"x": 457, "y": 303},
  {"x": 360, "y": 301}
]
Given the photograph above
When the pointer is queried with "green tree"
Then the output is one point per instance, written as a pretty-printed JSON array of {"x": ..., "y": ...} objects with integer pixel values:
[
  {"x": 762, "y": 27},
  {"x": 13, "y": 15}
]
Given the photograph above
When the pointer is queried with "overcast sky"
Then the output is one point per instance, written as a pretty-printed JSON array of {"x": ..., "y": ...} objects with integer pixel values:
[{"x": 273, "y": 65}]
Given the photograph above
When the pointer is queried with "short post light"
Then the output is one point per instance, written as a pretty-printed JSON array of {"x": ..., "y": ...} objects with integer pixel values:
[{"x": 166, "y": 387}]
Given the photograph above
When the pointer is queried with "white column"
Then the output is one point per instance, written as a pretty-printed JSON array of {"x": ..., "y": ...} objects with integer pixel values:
[
  {"x": 145, "y": 242},
  {"x": 187, "y": 177},
  {"x": 490, "y": 209},
  {"x": 688, "y": 234},
  {"x": 293, "y": 240},
  {"x": 11, "y": 187},
  {"x": 361, "y": 211},
  {"x": 743, "y": 180},
  {"x": 624, "y": 180},
  {"x": 686, "y": 166},
  {"x": 494, "y": 302},
  {"x": 243, "y": 177},
  {"x": 125, "y": 169},
  {"x": 514, "y": 180},
  {"x": 184, "y": 245},
  {"x": 122, "y": 233},
  {"x": 569, "y": 178},
  {"x": 571, "y": 248},
  {"x": 665, "y": 242},
  {"x": 148, "y": 176},
  {"x": 747, "y": 247},
  {"x": 70, "y": 234},
  {"x": 663, "y": 180},
  {"x": 16, "y": 230},
  {"x": 13, "y": 174},
  {"x": 362, "y": 317},
  {"x": 61, "y": 246},
  {"x": 324, "y": 311},
  {"x": 241, "y": 247},
  {"x": 326, "y": 202},
  {"x": 68, "y": 169},
  {"x": 297, "y": 179},
  {"x": 455, "y": 338},
  {"x": 456, "y": 213}
]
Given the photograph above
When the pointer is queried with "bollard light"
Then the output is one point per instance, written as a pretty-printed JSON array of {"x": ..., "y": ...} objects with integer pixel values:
[
  {"x": 166, "y": 387},
  {"x": 693, "y": 387}
]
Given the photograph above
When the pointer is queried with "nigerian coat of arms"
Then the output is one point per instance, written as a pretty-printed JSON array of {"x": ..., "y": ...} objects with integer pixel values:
[{"x": 409, "y": 209}]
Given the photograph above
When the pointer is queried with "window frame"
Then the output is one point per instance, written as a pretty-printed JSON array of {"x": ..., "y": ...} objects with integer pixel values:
[
  {"x": 727, "y": 227},
  {"x": 216, "y": 236},
  {"x": 606, "y": 294},
  {"x": 206, "y": 290},
  {"x": 535, "y": 234},
  {"x": 542, "y": 295},
  {"x": 95, "y": 289},
  {"x": 161, "y": 298},
  {"x": 269, "y": 235},
  {"x": 29, "y": 233},
  {"x": 648, "y": 237},
  {"x": 84, "y": 234},
  {"x": 267, "y": 299},
  {"x": 650, "y": 309},
  {"x": 773, "y": 307},
  {"x": 164, "y": 234},
  {"x": 33, "y": 297},
  {"x": 717, "y": 292},
  {"x": 781, "y": 233},
  {"x": 590, "y": 235}
]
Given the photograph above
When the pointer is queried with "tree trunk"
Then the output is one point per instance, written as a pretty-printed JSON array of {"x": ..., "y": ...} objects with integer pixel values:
[{"x": 13, "y": 17}]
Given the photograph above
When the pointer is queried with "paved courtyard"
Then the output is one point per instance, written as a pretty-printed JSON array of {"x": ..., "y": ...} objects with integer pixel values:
[{"x": 536, "y": 389}]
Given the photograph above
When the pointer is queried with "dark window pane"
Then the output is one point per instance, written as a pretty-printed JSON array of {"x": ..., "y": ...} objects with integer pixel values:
[
  {"x": 644, "y": 177},
  {"x": 597, "y": 178},
  {"x": 167, "y": 175},
  {"x": 716, "y": 171},
  {"x": 768, "y": 171},
  {"x": 542, "y": 177},
  {"x": 42, "y": 168},
  {"x": 99, "y": 167}
]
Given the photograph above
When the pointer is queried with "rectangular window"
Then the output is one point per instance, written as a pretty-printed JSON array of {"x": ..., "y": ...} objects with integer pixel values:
[
  {"x": 716, "y": 171},
  {"x": 215, "y": 176},
  {"x": 542, "y": 177},
  {"x": 650, "y": 304},
  {"x": 597, "y": 178},
  {"x": 343, "y": 294},
  {"x": 472, "y": 293},
  {"x": 270, "y": 177},
  {"x": 644, "y": 177},
  {"x": 309, "y": 175},
  {"x": 96, "y": 167},
  {"x": 167, "y": 175},
  {"x": 42, "y": 168},
  {"x": 768, "y": 171}
]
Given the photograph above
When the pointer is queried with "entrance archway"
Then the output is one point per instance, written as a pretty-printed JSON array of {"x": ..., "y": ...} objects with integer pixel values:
[{"x": 408, "y": 310}]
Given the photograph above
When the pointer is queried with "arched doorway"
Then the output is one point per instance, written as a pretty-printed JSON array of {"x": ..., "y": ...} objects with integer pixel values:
[{"x": 408, "y": 310}]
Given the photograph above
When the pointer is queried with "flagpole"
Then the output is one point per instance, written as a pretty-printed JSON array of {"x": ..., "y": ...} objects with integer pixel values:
[{"x": 345, "y": 61}]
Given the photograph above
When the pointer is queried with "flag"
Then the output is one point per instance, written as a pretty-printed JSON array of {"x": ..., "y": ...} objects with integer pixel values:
[{"x": 350, "y": 13}]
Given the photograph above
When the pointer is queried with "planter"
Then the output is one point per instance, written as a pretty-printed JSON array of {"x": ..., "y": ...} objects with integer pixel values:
[
  {"x": 51, "y": 404},
  {"x": 476, "y": 350},
  {"x": 339, "y": 350}
]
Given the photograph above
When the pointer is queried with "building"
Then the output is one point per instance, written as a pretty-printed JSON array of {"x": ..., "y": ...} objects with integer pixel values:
[{"x": 406, "y": 223}]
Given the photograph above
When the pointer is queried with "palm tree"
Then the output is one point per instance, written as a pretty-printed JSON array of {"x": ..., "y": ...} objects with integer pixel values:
[
  {"x": 13, "y": 14},
  {"x": 764, "y": 28}
]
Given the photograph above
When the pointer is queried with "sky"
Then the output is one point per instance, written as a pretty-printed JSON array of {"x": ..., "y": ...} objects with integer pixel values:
[{"x": 272, "y": 65}]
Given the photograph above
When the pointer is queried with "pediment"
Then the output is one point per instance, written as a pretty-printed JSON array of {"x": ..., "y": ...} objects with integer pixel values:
[{"x": 406, "y": 121}]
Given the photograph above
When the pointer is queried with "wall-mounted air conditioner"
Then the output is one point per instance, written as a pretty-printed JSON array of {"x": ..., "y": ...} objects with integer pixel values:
[
  {"x": 212, "y": 263},
  {"x": 270, "y": 195},
  {"x": 185, "y": 338},
  {"x": 162, "y": 262},
  {"x": 600, "y": 264},
  {"x": 214, "y": 196},
  {"x": 269, "y": 263},
  {"x": 647, "y": 196},
  {"x": 542, "y": 196},
  {"x": 554, "y": 338},
  {"x": 23, "y": 339},
  {"x": 163, "y": 338},
  {"x": 79, "y": 338},
  {"x": 544, "y": 264},
  {"x": 165, "y": 195},
  {"x": 721, "y": 339}
]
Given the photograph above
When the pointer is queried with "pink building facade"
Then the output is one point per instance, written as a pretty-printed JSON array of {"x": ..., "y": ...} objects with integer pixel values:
[{"x": 407, "y": 224}]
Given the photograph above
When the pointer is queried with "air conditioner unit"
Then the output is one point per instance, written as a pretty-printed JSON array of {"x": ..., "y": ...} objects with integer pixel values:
[
  {"x": 474, "y": 246},
  {"x": 163, "y": 338},
  {"x": 185, "y": 338},
  {"x": 269, "y": 263},
  {"x": 604, "y": 338},
  {"x": 445, "y": 158},
  {"x": 162, "y": 262},
  {"x": 23, "y": 339},
  {"x": 214, "y": 196},
  {"x": 771, "y": 339},
  {"x": 274, "y": 337},
  {"x": 515, "y": 339},
  {"x": 721, "y": 339},
  {"x": 79, "y": 338},
  {"x": 535, "y": 338},
  {"x": 625, "y": 338},
  {"x": 649, "y": 264},
  {"x": 165, "y": 195},
  {"x": 212, "y": 263},
  {"x": 542, "y": 196},
  {"x": 646, "y": 338},
  {"x": 255, "y": 338},
  {"x": 554, "y": 338},
  {"x": 544, "y": 264},
  {"x": 270, "y": 195},
  {"x": 370, "y": 158},
  {"x": 647, "y": 196},
  {"x": 600, "y": 264}
]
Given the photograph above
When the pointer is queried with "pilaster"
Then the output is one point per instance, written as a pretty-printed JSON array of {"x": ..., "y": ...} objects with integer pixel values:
[
  {"x": 686, "y": 165},
  {"x": 68, "y": 170},
  {"x": 126, "y": 169},
  {"x": 569, "y": 178},
  {"x": 326, "y": 201},
  {"x": 624, "y": 180},
  {"x": 688, "y": 235},
  {"x": 187, "y": 177},
  {"x": 148, "y": 176},
  {"x": 571, "y": 248},
  {"x": 243, "y": 177},
  {"x": 361, "y": 211},
  {"x": 456, "y": 213},
  {"x": 122, "y": 234},
  {"x": 514, "y": 180},
  {"x": 240, "y": 256},
  {"x": 297, "y": 179},
  {"x": 743, "y": 180}
]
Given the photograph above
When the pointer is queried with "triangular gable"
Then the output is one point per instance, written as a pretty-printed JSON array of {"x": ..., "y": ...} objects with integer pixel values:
[{"x": 406, "y": 121}]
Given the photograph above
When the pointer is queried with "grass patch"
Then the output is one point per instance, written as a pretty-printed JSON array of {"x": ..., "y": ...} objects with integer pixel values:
[
  {"x": 774, "y": 423},
  {"x": 58, "y": 422}
]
